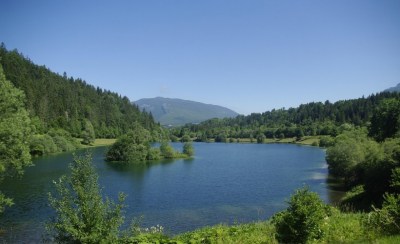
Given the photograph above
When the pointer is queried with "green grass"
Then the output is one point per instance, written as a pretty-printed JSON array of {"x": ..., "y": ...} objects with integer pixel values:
[
  {"x": 338, "y": 228},
  {"x": 388, "y": 240},
  {"x": 258, "y": 232},
  {"x": 99, "y": 143},
  {"x": 309, "y": 140}
]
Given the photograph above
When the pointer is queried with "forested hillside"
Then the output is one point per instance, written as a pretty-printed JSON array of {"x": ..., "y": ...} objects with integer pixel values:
[
  {"x": 314, "y": 118},
  {"x": 62, "y": 102}
]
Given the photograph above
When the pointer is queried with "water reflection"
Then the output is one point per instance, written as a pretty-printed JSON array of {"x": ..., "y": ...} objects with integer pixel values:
[{"x": 223, "y": 183}]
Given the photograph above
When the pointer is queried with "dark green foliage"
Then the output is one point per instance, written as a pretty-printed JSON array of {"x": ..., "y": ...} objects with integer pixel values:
[
  {"x": 306, "y": 120},
  {"x": 154, "y": 154},
  {"x": 385, "y": 123},
  {"x": 364, "y": 163},
  {"x": 131, "y": 147},
  {"x": 64, "y": 102},
  {"x": 56, "y": 140},
  {"x": 82, "y": 216},
  {"x": 173, "y": 138},
  {"x": 221, "y": 138},
  {"x": 387, "y": 219},
  {"x": 260, "y": 138},
  {"x": 88, "y": 134},
  {"x": 395, "y": 184},
  {"x": 166, "y": 150},
  {"x": 326, "y": 141},
  {"x": 15, "y": 132},
  {"x": 42, "y": 144},
  {"x": 303, "y": 220},
  {"x": 188, "y": 149},
  {"x": 186, "y": 138}
]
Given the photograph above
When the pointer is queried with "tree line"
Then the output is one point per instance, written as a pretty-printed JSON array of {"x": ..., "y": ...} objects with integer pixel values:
[{"x": 311, "y": 119}]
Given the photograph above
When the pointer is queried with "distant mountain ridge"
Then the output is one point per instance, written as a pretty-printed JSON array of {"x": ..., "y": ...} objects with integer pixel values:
[
  {"x": 174, "y": 111},
  {"x": 394, "y": 89}
]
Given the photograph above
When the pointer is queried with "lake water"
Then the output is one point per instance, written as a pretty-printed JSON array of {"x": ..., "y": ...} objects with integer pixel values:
[{"x": 223, "y": 183}]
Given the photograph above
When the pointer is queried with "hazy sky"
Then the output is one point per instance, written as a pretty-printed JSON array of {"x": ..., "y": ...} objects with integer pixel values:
[{"x": 250, "y": 56}]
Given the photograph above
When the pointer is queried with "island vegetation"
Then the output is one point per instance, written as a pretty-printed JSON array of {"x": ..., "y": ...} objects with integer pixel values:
[{"x": 135, "y": 147}]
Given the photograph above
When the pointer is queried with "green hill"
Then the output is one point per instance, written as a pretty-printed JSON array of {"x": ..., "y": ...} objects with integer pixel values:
[{"x": 175, "y": 112}]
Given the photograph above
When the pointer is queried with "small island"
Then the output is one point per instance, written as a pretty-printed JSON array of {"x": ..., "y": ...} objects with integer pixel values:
[{"x": 135, "y": 147}]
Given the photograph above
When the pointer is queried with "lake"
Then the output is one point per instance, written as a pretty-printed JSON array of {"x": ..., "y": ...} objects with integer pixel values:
[{"x": 223, "y": 183}]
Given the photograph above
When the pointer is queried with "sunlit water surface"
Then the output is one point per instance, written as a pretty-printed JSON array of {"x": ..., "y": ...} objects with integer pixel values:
[{"x": 223, "y": 183}]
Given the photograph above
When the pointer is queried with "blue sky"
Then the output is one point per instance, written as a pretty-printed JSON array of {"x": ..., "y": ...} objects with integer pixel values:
[{"x": 250, "y": 56}]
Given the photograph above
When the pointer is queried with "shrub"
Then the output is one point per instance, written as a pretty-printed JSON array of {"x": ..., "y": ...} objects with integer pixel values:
[
  {"x": 326, "y": 141},
  {"x": 387, "y": 219},
  {"x": 131, "y": 147},
  {"x": 42, "y": 144},
  {"x": 166, "y": 150},
  {"x": 82, "y": 214},
  {"x": 186, "y": 138},
  {"x": 154, "y": 154},
  {"x": 188, "y": 149},
  {"x": 303, "y": 219},
  {"x": 260, "y": 138}
]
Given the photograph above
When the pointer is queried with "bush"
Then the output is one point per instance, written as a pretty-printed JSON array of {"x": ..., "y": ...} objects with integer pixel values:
[
  {"x": 387, "y": 219},
  {"x": 132, "y": 147},
  {"x": 303, "y": 219},
  {"x": 260, "y": 138},
  {"x": 166, "y": 150},
  {"x": 186, "y": 138},
  {"x": 82, "y": 214},
  {"x": 154, "y": 154},
  {"x": 326, "y": 141},
  {"x": 42, "y": 144},
  {"x": 188, "y": 149}
]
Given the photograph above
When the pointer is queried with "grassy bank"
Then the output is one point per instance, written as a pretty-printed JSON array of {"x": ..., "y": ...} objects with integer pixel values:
[
  {"x": 338, "y": 228},
  {"x": 99, "y": 143}
]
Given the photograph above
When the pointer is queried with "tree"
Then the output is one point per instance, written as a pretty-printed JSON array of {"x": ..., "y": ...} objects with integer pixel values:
[
  {"x": 188, "y": 149},
  {"x": 344, "y": 156},
  {"x": 303, "y": 219},
  {"x": 132, "y": 147},
  {"x": 186, "y": 138},
  {"x": 88, "y": 134},
  {"x": 15, "y": 131},
  {"x": 260, "y": 138},
  {"x": 385, "y": 122},
  {"x": 82, "y": 216},
  {"x": 166, "y": 150}
]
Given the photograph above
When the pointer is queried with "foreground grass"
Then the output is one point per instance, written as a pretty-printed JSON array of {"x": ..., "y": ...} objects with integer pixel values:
[
  {"x": 338, "y": 228},
  {"x": 259, "y": 232}
]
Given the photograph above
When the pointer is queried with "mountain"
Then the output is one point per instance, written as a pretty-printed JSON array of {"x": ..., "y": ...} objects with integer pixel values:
[
  {"x": 394, "y": 89},
  {"x": 173, "y": 111}
]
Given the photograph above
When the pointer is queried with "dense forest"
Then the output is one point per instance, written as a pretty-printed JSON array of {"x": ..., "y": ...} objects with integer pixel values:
[
  {"x": 310, "y": 119},
  {"x": 60, "y": 102}
]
